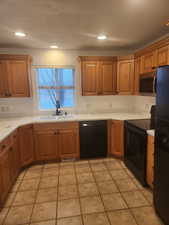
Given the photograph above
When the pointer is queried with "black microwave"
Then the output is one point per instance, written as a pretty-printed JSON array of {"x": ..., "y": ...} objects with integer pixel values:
[{"x": 147, "y": 84}]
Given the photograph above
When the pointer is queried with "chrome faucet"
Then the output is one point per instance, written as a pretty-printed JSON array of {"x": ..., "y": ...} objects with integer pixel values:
[{"x": 57, "y": 108}]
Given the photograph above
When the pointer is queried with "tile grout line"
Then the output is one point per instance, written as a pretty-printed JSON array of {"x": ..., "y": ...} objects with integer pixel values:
[
  {"x": 9, "y": 208},
  {"x": 57, "y": 199},
  {"x": 37, "y": 190},
  {"x": 77, "y": 184},
  {"x": 105, "y": 212}
]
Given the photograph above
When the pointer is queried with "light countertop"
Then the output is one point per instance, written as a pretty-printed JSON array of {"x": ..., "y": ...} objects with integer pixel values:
[
  {"x": 151, "y": 132},
  {"x": 8, "y": 125}
]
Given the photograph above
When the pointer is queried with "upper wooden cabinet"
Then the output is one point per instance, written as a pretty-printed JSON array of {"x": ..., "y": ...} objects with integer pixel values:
[
  {"x": 137, "y": 69},
  {"x": 98, "y": 75},
  {"x": 90, "y": 77},
  {"x": 125, "y": 77},
  {"x": 26, "y": 145},
  {"x": 15, "y": 76},
  {"x": 162, "y": 56},
  {"x": 148, "y": 62},
  {"x": 108, "y": 71}
]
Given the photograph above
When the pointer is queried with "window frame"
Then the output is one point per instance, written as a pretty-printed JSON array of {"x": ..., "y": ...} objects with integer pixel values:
[{"x": 37, "y": 88}]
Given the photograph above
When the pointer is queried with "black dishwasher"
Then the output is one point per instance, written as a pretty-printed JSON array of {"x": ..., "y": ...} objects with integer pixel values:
[{"x": 93, "y": 139}]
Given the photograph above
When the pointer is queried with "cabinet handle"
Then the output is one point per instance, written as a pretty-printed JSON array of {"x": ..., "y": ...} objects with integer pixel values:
[
  {"x": 99, "y": 93},
  {"x": 56, "y": 132}
]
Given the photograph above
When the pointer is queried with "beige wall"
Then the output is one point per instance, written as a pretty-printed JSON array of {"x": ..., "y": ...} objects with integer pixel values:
[{"x": 83, "y": 104}]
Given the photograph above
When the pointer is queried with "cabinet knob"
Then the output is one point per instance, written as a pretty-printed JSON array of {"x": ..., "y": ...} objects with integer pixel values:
[{"x": 3, "y": 146}]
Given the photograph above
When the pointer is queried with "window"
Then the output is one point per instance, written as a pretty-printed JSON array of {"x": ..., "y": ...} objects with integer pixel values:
[{"x": 55, "y": 84}]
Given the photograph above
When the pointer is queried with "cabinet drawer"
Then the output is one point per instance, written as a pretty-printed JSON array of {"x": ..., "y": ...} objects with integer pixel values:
[{"x": 53, "y": 126}]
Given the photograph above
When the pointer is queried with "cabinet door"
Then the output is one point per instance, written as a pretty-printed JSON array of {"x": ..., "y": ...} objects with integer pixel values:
[
  {"x": 15, "y": 156},
  {"x": 26, "y": 145},
  {"x": 46, "y": 145},
  {"x": 117, "y": 138},
  {"x": 3, "y": 79},
  {"x": 125, "y": 77},
  {"x": 148, "y": 62},
  {"x": 5, "y": 173},
  {"x": 90, "y": 71},
  {"x": 69, "y": 143},
  {"x": 18, "y": 79},
  {"x": 137, "y": 72},
  {"x": 163, "y": 56},
  {"x": 150, "y": 161},
  {"x": 108, "y": 75}
]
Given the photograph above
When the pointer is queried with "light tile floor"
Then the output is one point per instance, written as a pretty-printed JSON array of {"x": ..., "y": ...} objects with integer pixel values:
[{"x": 94, "y": 192}]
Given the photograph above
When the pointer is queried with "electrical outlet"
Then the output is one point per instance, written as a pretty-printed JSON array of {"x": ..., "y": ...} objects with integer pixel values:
[{"x": 4, "y": 108}]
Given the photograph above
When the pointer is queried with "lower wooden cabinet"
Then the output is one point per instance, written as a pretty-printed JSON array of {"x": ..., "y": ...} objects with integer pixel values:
[
  {"x": 46, "y": 145},
  {"x": 5, "y": 169},
  {"x": 56, "y": 140},
  {"x": 26, "y": 145},
  {"x": 150, "y": 161},
  {"x": 116, "y": 138},
  {"x": 69, "y": 143},
  {"x": 15, "y": 155}
]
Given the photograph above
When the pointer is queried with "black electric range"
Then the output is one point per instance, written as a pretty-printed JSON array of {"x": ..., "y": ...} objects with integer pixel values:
[{"x": 135, "y": 147}]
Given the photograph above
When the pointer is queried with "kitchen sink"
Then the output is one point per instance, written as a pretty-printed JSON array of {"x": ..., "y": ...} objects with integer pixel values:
[{"x": 54, "y": 117}]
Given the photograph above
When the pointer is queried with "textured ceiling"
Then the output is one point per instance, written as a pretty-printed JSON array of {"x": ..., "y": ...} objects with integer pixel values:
[{"x": 75, "y": 24}]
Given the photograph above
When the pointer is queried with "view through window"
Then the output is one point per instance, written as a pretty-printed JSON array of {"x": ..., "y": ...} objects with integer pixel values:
[{"x": 55, "y": 84}]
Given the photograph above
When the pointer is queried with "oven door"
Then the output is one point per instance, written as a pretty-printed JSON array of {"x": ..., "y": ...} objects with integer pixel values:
[{"x": 135, "y": 151}]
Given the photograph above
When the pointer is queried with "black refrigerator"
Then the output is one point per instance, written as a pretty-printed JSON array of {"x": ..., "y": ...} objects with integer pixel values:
[{"x": 161, "y": 169}]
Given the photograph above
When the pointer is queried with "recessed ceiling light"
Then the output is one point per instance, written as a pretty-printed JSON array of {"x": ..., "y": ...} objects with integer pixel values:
[
  {"x": 53, "y": 46},
  {"x": 102, "y": 37},
  {"x": 20, "y": 34}
]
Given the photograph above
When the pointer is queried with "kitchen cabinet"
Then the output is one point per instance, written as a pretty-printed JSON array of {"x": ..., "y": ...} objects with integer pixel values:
[
  {"x": 26, "y": 145},
  {"x": 15, "y": 155},
  {"x": 56, "y": 140},
  {"x": 148, "y": 62},
  {"x": 69, "y": 143},
  {"x": 90, "y": 71},
  {"x": 98, "y": 75},
  {"x": 162, "y": 56},
  {"x": 15, "y": 76},
  {"x": 46, "y": 145},
  {"x": 108, "y": 71},
  {"x": 5, "y": 168},
  {"x": 125, "y": 77},
  {"x": 3, "y": 83},
  {"x": 116, "y": 138},
  {"x": 137, "y": 72},
  {"x": 150, "y": 161}
]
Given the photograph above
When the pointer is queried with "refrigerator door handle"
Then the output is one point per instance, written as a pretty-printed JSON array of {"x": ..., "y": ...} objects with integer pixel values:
[{"x": 154, "y": 84}]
